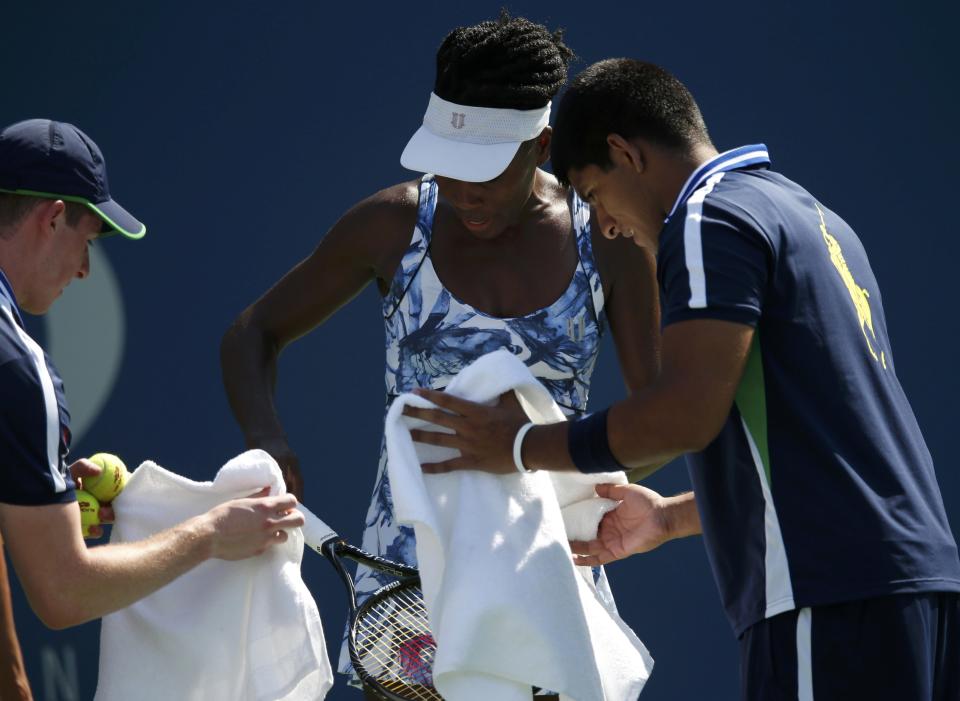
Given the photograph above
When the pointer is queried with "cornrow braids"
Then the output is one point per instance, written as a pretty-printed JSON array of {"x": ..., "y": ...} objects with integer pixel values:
[{"x": 510, "y": 63}]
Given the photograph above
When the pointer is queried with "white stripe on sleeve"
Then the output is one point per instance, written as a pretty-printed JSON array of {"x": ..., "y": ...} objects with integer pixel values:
[
  {"x": 51, "y": 411},
  {"x": 693, "y": 244}
]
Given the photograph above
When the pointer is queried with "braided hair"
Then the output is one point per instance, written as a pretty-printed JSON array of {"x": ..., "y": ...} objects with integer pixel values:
[{"x": 506, "y": 63}]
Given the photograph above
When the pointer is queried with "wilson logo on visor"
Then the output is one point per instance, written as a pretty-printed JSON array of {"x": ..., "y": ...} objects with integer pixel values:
[{"x": 457, "y": 120}]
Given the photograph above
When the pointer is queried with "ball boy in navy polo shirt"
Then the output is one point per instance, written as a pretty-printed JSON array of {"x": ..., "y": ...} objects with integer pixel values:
[
  {"x": 54, "y": 202},
  {"x": 815, "y": 491}
]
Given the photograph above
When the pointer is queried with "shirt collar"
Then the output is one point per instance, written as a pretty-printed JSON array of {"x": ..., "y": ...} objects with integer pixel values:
[
  {"x": 7, "y": 291},
  {"x": 728, "y": 160}
]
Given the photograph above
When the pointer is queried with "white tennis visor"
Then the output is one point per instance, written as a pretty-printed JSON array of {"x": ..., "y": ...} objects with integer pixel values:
[{"x": 468, "y": 143}]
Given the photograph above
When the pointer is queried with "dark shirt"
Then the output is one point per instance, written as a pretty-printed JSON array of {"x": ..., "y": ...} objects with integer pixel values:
[
  {"x": 820, "y": 488},
  {"x": 34, "y": 421}
]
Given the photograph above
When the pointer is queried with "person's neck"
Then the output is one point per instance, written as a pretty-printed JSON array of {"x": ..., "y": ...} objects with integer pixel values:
[
  {"x": 679, "y": 172},
  {"x": 673, "y": 170},
  {"x": 11, "y": 263},
  {"x": 531, "y": 213}
]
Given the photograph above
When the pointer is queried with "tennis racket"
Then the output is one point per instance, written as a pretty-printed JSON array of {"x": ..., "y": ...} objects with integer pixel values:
[{"x": 389, "y": 639}]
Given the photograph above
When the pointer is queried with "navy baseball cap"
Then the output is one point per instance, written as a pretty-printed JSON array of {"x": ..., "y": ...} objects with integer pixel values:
[{"x": 42, "y": 158}]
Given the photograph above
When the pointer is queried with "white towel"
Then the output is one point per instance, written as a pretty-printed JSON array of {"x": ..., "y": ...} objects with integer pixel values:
[
  {"x": 507, "y": 606},
  {"x": 225, "y": 631}
]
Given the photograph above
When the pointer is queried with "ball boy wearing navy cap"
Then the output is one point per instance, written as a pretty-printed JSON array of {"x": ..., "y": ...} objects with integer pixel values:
[
  {"x": 43, "y": 158},
  {"x": 54, "y": 201}
]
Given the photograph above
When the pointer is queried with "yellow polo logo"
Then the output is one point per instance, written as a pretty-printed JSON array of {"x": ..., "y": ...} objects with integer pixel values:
[{"x": 858, "y": 294}]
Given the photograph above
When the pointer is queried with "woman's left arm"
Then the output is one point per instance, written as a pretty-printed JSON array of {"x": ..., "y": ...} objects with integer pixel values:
[{"x": 632, "y": 304}]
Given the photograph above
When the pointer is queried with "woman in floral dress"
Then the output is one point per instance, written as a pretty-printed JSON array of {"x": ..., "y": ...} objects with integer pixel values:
[{"x": 486, "y": 252}]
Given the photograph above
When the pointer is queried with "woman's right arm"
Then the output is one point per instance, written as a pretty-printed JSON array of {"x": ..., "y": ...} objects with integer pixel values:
[{"x": 366, "y": 244}]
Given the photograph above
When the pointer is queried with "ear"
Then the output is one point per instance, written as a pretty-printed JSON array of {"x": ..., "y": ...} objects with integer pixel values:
[
  {"x": 48, "y": 215},
  {"x": 626, "y": 152},
  {"x": 543, "y": 145}
]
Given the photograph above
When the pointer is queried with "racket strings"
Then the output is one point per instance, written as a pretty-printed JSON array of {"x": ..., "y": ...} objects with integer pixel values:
[{"x": 395, "y": 646}]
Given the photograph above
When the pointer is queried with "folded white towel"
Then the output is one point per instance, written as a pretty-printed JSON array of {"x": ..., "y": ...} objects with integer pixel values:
[
  {"x": 225, "y": 631},
  {"x": 506, "y": 604}
]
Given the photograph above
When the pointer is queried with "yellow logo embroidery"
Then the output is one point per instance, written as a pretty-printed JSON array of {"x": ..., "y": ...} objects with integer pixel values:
[{"x": 858, "y": 294}]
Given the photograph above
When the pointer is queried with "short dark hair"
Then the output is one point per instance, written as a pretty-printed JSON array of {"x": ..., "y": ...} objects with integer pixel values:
[
  {"x": 14, "y": 208},
  {"x": 509, "y": 62},
  {"x": 626, "y": 97}
]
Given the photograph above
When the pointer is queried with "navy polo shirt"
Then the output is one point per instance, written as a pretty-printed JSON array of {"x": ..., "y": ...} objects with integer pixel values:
[
  {"x": 34, "y": 421},
  {"x": 819, "y": 489}
]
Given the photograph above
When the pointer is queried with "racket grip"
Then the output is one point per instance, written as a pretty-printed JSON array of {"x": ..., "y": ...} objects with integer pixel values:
[{"x": 315, "y": 532}]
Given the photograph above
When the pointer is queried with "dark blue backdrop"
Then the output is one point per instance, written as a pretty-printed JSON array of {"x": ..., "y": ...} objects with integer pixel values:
[{"x": 239, "y": 133}]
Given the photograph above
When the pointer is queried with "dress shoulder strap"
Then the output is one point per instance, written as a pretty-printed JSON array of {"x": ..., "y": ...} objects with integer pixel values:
[
  {"x": 416, "y": 252},
  {"x": 580, "y": 214}
]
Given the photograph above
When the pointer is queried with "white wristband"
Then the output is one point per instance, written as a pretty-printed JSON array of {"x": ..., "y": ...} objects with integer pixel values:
[{"x": 518, "y": 444}]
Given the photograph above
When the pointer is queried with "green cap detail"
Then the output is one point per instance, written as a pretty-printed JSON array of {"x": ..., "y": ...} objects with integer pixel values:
[{"x": 111, "y": 226}]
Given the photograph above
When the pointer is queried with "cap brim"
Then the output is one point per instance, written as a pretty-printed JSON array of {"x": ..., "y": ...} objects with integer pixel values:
[
  {"x": 118, "y": 220},
  {"x": 473, "y": 163}
]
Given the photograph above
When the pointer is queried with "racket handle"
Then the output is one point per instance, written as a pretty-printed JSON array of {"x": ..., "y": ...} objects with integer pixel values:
[{"x": 315, "y": 532}]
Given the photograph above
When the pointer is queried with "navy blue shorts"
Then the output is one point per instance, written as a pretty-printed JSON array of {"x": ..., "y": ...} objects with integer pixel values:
[{"x": 904, "y": 647}]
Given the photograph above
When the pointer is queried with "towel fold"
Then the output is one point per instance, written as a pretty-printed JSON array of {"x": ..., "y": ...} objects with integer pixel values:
[
  {"x": 225, "y": 631},
  {"x": 507, "y": 606}
]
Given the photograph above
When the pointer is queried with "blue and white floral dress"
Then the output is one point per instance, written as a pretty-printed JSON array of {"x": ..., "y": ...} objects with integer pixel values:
[{"x": 432, "y": 335}]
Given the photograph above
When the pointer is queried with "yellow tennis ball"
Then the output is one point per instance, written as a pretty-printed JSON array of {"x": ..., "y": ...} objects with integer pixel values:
[
  {"x": 89, "y": 511},
  {"x": 109, "y": 483}
]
